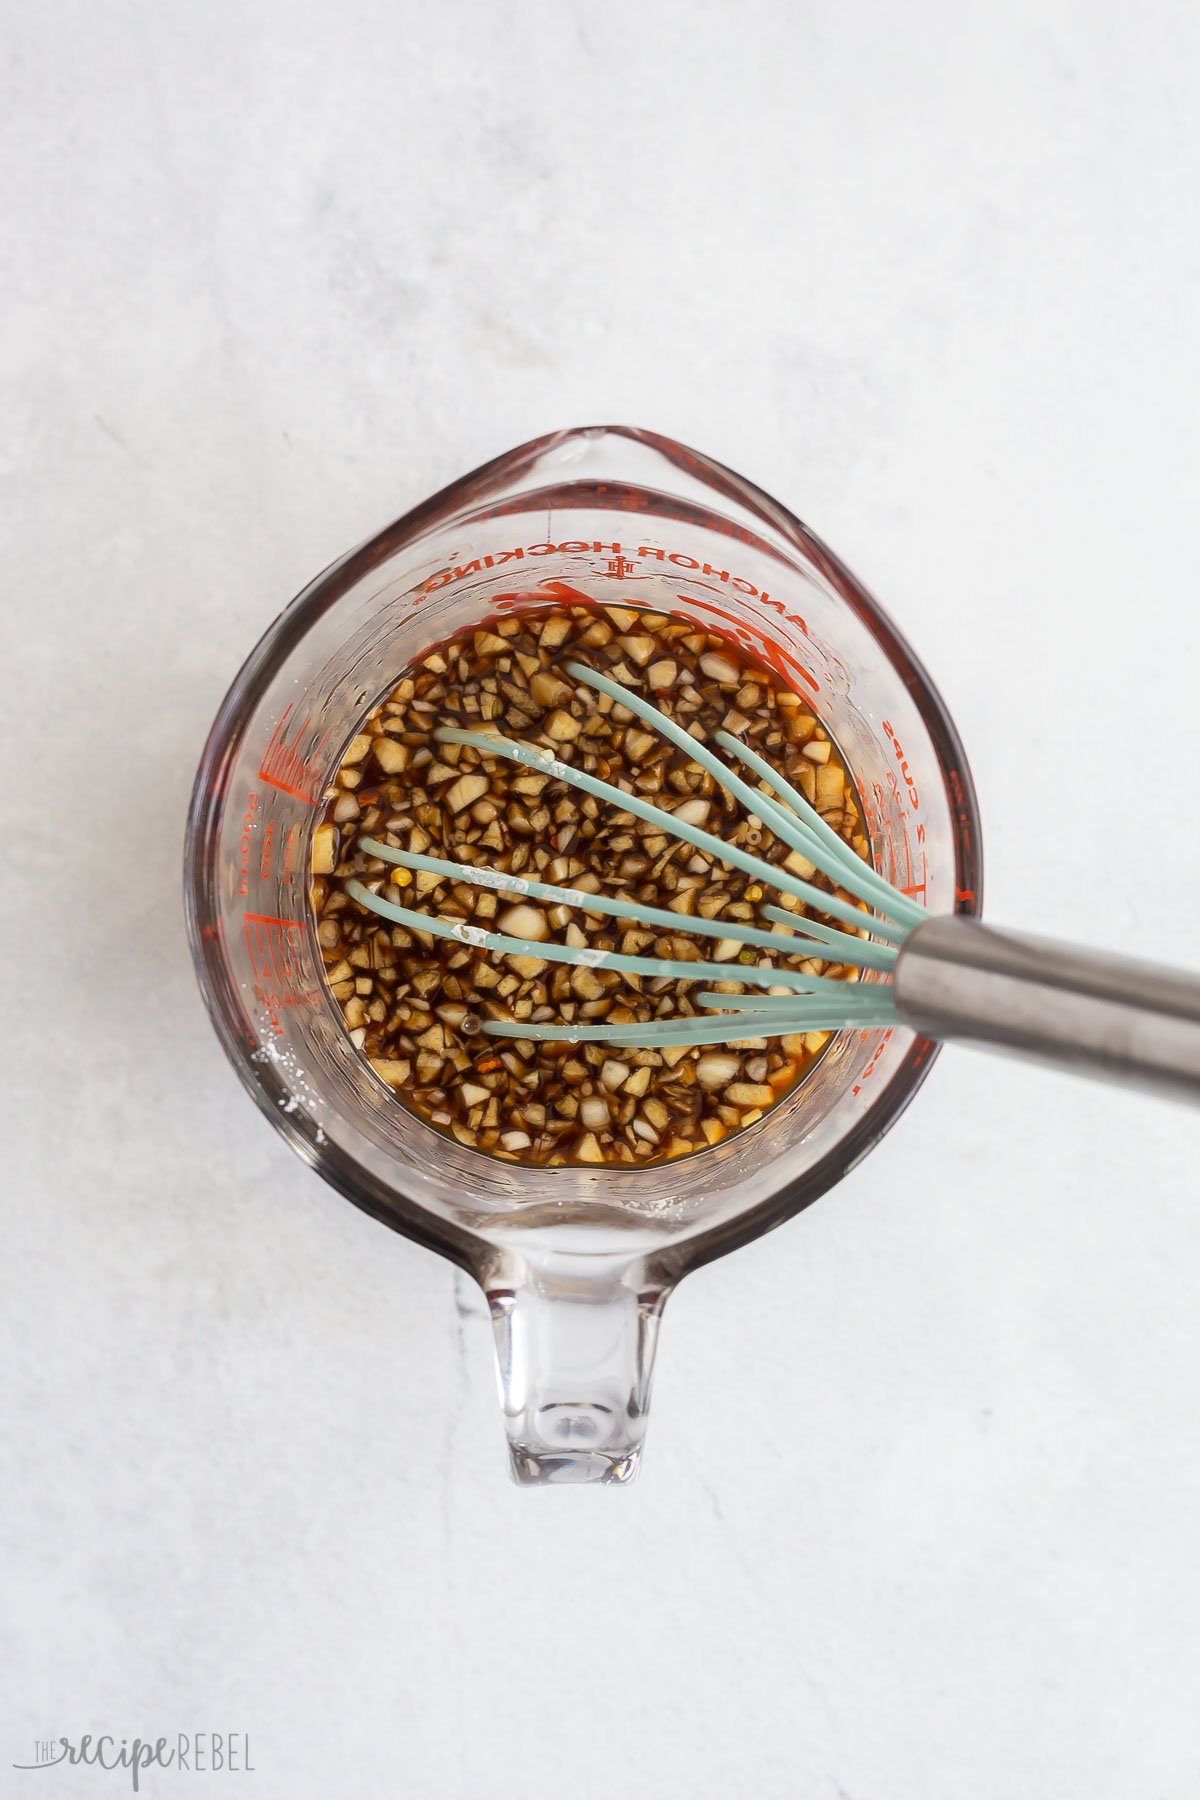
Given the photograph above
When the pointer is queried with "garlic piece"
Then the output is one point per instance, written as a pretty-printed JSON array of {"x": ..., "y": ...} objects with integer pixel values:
[
  {"x": 830, "y": 787},
  {"x": 561, "y": 727},
  {"x": 527, "y": 966},
  {"x": 641, "y": 649},
  {"x": 466, "y": 790},
  {"x": 547, "y": 689},
  {"x": 719, "y": 668},
  {"x": 391, "y": 756},
  {"x": 749, "y": 1093},
  {"x": 395, "y": 1071},
  {"x": 525, "y": 922},
  {"x": 323, "y": 850},
  {"x": 555, "y": 631},
  {"x": 716, "y": 1071}
]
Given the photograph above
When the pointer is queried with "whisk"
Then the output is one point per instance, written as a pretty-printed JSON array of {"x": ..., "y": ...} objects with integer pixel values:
[{"x": 944, "y": 976}]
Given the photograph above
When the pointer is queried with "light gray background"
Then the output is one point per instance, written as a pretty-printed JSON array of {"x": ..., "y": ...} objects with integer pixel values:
[{"x": 918, "y": 1516}]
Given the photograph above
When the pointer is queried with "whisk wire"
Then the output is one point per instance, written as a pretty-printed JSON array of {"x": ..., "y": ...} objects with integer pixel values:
[
  {"x": 855, "y": 874},
  {"x": 855, "y": 951},
  {"x": 545, "y": 762},
  {"x": 655, "y": 968},
  {"x": 723, "y": 1028},
  {"x": 797, "y": 828},
  {"x": 797, "y": 1002},
  {"x": 824, "y": 937}
]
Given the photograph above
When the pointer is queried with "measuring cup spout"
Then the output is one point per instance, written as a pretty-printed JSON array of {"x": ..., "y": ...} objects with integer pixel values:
[{"x": 575, "y": 1342}]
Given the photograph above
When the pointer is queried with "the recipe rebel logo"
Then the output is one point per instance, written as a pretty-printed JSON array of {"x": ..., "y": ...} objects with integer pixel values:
[{"x": 192, "y": 1753}]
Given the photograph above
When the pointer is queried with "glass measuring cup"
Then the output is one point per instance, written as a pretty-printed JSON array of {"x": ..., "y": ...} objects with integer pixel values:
[{"x": 576, "y": 1263}]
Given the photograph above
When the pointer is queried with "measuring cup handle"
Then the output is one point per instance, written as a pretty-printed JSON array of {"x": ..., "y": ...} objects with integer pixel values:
[
  {"x": 1100, "y": 1015},
  {"x": 575, "y": 1342}
]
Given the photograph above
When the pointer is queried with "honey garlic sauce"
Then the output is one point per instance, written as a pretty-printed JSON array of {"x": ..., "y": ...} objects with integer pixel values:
[{"x": 414, "y": 1005}]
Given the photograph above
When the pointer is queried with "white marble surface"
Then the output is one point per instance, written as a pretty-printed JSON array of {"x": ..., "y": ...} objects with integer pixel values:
[{"x": 918, "y": 1516}]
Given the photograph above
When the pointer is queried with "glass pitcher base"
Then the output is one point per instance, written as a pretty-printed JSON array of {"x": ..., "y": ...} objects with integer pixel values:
[{"x": 542, "y": 1468}]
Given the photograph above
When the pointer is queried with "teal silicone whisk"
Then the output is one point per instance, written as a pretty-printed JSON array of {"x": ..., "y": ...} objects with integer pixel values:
[{"x": 944, "y": 976}]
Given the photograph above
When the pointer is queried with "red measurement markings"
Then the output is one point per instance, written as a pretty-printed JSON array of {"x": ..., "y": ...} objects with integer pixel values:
[
  {"x": 249, "y": 819},
  {"x": 288, "y": 867},
  {"x": 284, "y": 767},
  {"x": 914, "y": 888},
  {"x": 864, "y": 1037},
  {"x": 898, "y": 752},
  {"x": 917, "y": 891},
  {"x": 273, "y": 946}
]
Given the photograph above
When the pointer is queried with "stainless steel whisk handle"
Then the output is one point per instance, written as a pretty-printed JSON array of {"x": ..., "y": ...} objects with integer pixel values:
[{"x": 1099, "y": 1015}]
